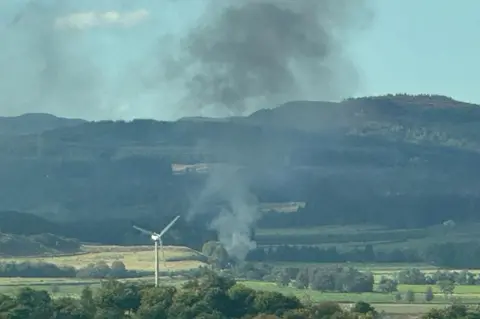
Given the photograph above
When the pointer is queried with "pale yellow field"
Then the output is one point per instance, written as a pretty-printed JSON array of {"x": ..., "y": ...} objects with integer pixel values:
[{"x": 134, "y": 257}]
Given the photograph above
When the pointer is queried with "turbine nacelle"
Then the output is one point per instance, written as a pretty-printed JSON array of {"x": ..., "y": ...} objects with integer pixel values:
[{"x": 156, "y": 237}]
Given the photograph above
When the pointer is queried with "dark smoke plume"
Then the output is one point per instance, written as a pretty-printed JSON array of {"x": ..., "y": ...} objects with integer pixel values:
[
  {"x": 248, "y": 54},
  {"x": 100, "y": 59}
]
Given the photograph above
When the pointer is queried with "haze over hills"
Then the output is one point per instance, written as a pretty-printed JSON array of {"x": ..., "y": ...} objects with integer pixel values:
[{"x": 399, "y": 160}]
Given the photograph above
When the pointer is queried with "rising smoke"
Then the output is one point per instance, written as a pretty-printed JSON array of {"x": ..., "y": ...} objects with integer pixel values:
[
  {"x": 226, "y": 191},
  {"x": 245, "y": 55},
  {"x": 166, "y": 59},
  {"x": 219, "y": 57},
  {"x": 44, "y": 69}
]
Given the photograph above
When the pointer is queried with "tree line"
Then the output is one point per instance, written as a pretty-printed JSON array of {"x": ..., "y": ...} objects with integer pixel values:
[
  {"x": 448, "y": 255},
  {"x": 414, "y": 276},
  {"x": 209, "y": 297},
  {"x": 47, "y": 270}
]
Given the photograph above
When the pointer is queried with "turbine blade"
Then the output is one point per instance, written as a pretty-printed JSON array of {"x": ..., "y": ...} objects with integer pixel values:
[
  {"x": 163, "y": 255},
  {"x": 143, "y": 231},
  {"x": 168, "y": 226}
]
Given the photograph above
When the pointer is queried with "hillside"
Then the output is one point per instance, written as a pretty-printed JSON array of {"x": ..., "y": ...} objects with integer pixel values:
[
  {"x": 36, "y": 245},
  {"x": 402, "y": 161},
  {"x": 33, "y": 123},
  {"x": 429, "y": 119}
]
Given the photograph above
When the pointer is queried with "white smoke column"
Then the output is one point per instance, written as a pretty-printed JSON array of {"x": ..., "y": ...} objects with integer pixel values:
[
  {"x": 239, "y": 211},
  {"x": 234, "y": 228}
]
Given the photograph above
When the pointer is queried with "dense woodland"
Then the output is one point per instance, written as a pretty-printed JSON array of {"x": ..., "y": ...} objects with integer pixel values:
[{"x": 401, "y": 161}]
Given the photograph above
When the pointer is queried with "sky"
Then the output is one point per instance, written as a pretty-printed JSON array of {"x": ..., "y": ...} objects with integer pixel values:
[
  {"x": 421, "y": 46},
  {"x": 409, "y": 46}
]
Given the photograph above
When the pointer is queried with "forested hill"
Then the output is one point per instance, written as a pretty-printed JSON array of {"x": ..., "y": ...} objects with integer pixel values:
[
  {"x": 33, "y": 123},
  {"x": 403, "y": 160},
  {"x": 424, "y": 118}
]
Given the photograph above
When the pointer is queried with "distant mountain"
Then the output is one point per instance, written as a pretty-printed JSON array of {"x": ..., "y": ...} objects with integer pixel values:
[{"x": 34, "y": 123}]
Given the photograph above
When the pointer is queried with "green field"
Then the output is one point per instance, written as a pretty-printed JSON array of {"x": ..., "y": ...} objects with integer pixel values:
[
  {"x": 182, "y": 258},
  {"x": 382, "y": 302},
  {"x": 467, "y": 294},
  {"x": 357, "y": 236}
]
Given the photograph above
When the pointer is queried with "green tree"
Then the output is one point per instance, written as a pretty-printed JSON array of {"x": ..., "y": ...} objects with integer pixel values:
[
  {"x": 326, "y": 309},
  {"x": 87, "y": 302},
  {"x": 398, "y": 297},
  {"x": 447, "y": 287},
  {"x": 429, "y": 294},
  {"x": 410, "y": 296},
  {"x": 37, "y": 303},
  {"x": 155, "y": 302},
  {"x": 216, "y": 253},
  {"x": 412, "y": 276},
  {"x": 118, "y": 269},
  {"x": 363, "y": 307},
  {"x": 6, "y": 303},
  {"x": 302, "y": 280},
  {"x": 69, "y": 308},
  {"x": 242, "y": 300},
  {"x": 54, "y": 289},
  {"x": 110, "y": 313},
  {"x": 323, "y": 281},
  {"x": 282, "y": 278},
  {"x": 387, "y": 285},
  {"x": 209, "y": 247},
  {"x": 117, "y": 295},
  {"x": 269, "y": 302}
]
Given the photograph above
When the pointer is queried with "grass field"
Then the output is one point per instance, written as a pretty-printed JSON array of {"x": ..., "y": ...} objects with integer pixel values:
[
  {"x": 134, "y": 257},
  {"x": 66, "y": 286},
  {"x": 382, "y": 302},
  {"x": 357, "y": 236},
  {"x": 343, "y": 237}
]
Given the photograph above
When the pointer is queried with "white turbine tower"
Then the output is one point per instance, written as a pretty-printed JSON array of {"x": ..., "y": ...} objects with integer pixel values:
[{"x": 157, "y": 239}]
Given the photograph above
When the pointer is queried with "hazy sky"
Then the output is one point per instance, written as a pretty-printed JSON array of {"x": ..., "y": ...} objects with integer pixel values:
[
  {"x": 418, "y": 46},
  {"x": 410, "y": 46}
]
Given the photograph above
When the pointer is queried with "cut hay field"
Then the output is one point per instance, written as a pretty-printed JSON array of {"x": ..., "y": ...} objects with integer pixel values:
[
  {"x": 139, "y": 258},
  {"x": 134, "y": 257}
]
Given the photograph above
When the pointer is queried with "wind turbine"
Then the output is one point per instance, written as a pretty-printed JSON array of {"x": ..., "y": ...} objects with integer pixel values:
[{"x": 157, "y": 239}]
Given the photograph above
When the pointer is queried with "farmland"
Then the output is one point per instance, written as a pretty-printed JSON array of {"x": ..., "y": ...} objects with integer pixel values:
[
  {"x": 342, "y": 237},
  {"x": 134, "y": 257},
  {"x": 182, "y": 258},
  {"x": 353, "y": 236}
]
